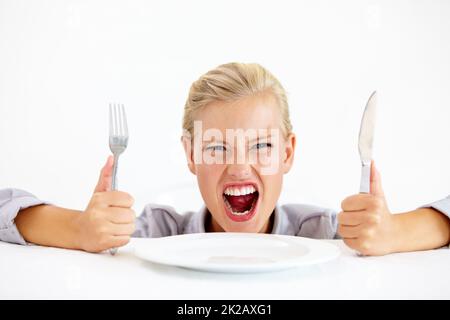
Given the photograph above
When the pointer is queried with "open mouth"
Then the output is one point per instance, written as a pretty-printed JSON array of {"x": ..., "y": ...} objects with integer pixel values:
[{"x": 240, "y": 201}]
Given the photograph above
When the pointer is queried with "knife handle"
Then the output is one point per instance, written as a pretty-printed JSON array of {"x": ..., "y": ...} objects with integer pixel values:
[{"x": 364, "y": 186}]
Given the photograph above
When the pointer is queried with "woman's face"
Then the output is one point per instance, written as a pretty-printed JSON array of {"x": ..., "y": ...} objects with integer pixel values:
[{"x": 239, "y": 155}]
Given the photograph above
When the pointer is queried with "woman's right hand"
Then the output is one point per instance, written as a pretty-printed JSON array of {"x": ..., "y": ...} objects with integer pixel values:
[{"x": 108, "y": 220}]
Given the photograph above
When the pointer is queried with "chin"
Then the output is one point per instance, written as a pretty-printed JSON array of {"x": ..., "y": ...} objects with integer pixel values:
[{"x": 251, "y": 226}]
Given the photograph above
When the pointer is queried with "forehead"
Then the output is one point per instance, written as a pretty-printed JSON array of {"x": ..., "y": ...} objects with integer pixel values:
[{"x": 256, "y": 112}]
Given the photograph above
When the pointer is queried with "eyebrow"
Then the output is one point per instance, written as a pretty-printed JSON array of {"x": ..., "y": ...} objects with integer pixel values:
[{"x": 223, "y": 142}]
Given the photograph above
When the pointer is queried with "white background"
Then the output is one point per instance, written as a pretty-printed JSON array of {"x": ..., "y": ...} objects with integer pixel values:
[{"x": 62, "y": 62}]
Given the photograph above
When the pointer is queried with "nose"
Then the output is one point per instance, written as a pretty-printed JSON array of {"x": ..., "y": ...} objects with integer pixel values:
[{"x": 239, "y": 171}]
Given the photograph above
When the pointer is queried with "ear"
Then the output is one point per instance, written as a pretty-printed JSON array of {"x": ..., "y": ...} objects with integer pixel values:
[
  {"x": 289, "y": 150},
  {"x": 188, "y": 150}
]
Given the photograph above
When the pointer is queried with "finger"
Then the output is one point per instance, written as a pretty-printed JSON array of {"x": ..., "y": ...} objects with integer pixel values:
[
  {"x": 351, "y": 218},
  {"x": 376, "y": 188},
  {"x": 357, "y": 202},
  {"x": 119, "y": 215},
  {"x": 353, "y": 243},
  {"x": 349, "y": 232},
  {"x": 119, "y": 241},
  {"x": 114, "y": 199},
  {"x": 105, "y": 179},
  {"x": 122, "y": 229}
]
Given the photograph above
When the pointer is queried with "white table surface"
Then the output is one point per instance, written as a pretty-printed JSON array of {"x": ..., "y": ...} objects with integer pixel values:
[{"x": 35, "y": 272}]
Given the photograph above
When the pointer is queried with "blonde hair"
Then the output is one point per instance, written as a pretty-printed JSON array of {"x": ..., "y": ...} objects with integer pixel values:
[{"x": 230, "y": 82}]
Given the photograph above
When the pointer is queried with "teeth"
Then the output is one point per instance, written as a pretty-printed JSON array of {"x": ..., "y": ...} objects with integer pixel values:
[
  {"x": 230, "y": 191},
  {"x": 239, "y": 213}
]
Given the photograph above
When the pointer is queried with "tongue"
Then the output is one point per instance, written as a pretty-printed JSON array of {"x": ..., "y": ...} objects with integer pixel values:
[{"x": 241, "y": 203}]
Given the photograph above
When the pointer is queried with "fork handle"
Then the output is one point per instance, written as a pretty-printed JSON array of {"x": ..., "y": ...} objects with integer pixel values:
[
  {"x": 114, "y": 187},
  {"x": 114, "y": 184}
]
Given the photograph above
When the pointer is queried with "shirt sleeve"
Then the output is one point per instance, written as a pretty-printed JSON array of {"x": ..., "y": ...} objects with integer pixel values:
[
  {"x": 11, "y": 202},
  {"x": 442, "y": 206}
]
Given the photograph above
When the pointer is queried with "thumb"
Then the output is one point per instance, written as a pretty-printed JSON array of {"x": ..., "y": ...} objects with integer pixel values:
[
  {"x": 375, "y": 181},
  {"x": 105, "y": 179}
]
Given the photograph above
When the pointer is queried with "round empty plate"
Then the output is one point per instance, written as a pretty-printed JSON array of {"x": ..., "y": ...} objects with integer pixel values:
[{"x": 235, "y": 252}]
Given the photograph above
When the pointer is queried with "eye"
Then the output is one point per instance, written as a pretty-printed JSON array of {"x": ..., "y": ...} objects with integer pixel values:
[
  {"x": 215, "y": 148},
  {"x": 262, "y": 145}
]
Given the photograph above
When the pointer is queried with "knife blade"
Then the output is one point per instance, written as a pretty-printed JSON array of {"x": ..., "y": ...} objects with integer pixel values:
[{"x": 365, "y": 143}]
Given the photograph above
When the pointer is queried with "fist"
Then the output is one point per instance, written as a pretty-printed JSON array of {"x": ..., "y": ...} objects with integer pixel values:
[
  {"x": 365, "y": 223},
  {"x": 108, "y": 220}
]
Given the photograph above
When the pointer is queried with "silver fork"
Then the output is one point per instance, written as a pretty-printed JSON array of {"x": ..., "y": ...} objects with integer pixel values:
[{"x": 118, "y": 141}]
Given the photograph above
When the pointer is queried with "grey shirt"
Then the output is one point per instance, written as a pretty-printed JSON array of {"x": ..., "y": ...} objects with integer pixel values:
[{"x": 161, "y": 221}]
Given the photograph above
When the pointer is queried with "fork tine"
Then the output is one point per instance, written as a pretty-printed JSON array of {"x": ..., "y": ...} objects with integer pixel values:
[
  {"x": 118, "y": 126},
  {"x": 125, "y": 124},
  {"x": 116, "y": 121},
  {"x": 120, "y": 120}
]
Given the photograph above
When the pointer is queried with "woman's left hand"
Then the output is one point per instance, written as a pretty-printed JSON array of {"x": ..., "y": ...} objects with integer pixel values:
[{"x": 365, "y": 223}]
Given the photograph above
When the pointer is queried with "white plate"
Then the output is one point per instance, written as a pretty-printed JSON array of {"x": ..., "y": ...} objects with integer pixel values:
[{"x": 235, "y": 252}]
